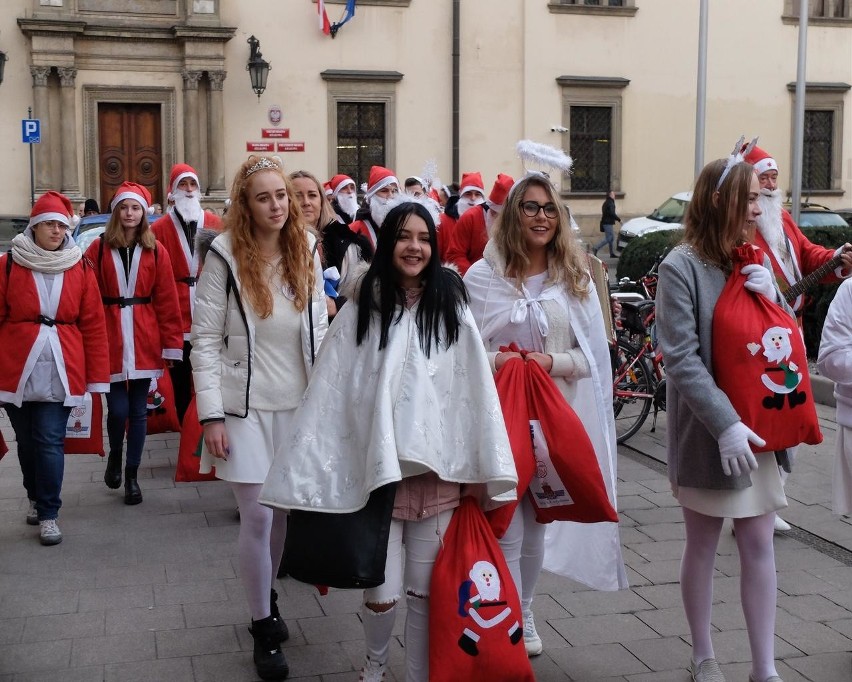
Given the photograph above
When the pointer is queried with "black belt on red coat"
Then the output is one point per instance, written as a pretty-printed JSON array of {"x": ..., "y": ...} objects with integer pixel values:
[
  {"x": 191, "y": 281},
  {"x": 122, "y": 302},
  {"x": 49, "y": 321}
]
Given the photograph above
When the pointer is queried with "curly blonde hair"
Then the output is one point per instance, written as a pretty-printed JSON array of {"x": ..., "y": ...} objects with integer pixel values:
[
  {"x": 297, "y": 266},
  {"x": 566, "y": 263}
]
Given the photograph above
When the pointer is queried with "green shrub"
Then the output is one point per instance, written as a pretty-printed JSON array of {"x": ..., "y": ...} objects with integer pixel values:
[{"x": 639, "y": 255}]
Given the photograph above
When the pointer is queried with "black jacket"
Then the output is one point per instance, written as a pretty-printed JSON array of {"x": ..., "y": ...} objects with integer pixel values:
[{"x": 609, "y": 216}]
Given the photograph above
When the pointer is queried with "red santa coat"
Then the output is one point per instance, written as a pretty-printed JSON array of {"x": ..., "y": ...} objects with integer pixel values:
[
  {"x": 806, "y": 256},
  {"x": 142, "y": 334},
  {"x": 185, "y": 265},
  {"x": 468, "y": 239},
  {"x": 78, "y": 339},
  {"x": 365, "y": 228},
  {"x": 446, "y": 227}
]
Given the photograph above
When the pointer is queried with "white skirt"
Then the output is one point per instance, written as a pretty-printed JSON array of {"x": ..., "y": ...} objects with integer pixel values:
[
  {"x": 252, "y": 442},
  {"x": 841, "y": 482},
  {"x": 766, "y": 494}
]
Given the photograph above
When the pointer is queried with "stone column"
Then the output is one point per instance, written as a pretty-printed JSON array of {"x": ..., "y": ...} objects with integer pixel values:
[
  {"x": 216, "y": 135},
  {"x": 68, "y": 130},
  {"x": 44, "y": 179},
  {"x": 191, "y": 132}
]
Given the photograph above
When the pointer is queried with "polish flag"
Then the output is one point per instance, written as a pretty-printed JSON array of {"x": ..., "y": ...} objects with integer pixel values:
[{"x": 324, "y": 23}]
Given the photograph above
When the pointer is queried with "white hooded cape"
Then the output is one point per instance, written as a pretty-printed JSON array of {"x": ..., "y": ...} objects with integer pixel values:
[{"x": 370, "y": 417}]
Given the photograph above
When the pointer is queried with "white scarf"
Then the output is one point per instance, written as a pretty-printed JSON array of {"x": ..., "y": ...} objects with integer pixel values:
[{"x": 27, "y": 253}]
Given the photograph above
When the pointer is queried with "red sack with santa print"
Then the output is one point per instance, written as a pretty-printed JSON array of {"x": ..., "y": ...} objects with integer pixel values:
[
  {"x": 476, "y": 630},
  {"x": 189, "y": 451},
  {"x": 759, "y": 361},
  {"x": 162, "y": 413},
  {"x": 84, "y": 430}
]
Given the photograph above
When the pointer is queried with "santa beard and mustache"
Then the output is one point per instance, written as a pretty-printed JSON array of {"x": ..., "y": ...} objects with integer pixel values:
[
  {"x": 348, "y": 203},
  {"x": 464, "y": 204},
  {"x": 188, "y": 205},
  {"x": 770, "y": 222}
]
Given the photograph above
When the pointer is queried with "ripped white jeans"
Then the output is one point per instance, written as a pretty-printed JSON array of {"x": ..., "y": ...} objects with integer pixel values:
[{"x": 422, "y": 540}]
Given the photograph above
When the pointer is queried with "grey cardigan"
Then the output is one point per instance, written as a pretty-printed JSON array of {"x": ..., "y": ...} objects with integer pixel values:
[{"x": 697, "y": 409}]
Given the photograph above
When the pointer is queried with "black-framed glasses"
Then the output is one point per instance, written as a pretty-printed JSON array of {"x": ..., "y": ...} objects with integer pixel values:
[{"x": 531, "y": 209}]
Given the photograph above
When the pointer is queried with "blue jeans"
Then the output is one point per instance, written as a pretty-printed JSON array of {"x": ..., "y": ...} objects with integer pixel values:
[
  {"x": 126, "y": 411},
  {"x": 609, "y": 238},
  {"x": 40, "y": 432}
]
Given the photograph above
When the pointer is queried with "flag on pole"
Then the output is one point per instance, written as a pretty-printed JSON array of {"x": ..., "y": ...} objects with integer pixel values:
[
  {"x": 324, "y": 23},
  {"x": 349, "y": 12}
]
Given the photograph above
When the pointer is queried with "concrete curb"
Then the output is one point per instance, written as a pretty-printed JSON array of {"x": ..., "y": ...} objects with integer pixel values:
[{"x": 823, "y": 389}]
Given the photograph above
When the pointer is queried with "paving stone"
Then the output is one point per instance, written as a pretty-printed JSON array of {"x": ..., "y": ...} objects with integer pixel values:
[
  {"x": 113, "y": 649},
  {"x": 813, "y": 638},
  {"x": 813, "y": 607},
  {"x": 318, "y": 659},
  {"x": 230, "y": 612},
  {"x": 144, "y": 619},
  {"x": 34, "y": 656},
  {"x": 116, "y": 598},
  {"x": 132, "y": 575},
  {"x": 599, "y": 603},
  {"x": 171, "y": 670},
  {"x": 798, "y": 582},
  {"x": 237, "y": 666},
  {"x": 660, "y": 549},
  {"x": 189, "y": 593},
  {"x": 589, "y": 630},
  {"x": 39, "y": 603},
  {"x": 64, "y": 626},
  {"x": 186, "y": 572},
  {"x": 824, "y": 667},
  {"x": 666, "y": 622},
  {"x": 595, "y": 661},
  {"x": 196, "y": 641},
  {"x": 660, "y": 654},
  {"x": 664, "y": 531},
  {"x": 90, "y": 674},
  {"x": 11, "y": 630},
  {"x": 328, "y": 629}
]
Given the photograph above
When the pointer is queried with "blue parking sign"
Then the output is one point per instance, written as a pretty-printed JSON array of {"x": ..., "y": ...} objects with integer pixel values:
[{"x": 31, "y": 130}]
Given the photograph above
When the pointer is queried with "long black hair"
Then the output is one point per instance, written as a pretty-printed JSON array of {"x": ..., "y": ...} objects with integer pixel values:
[{"x": 444, "y": 295}]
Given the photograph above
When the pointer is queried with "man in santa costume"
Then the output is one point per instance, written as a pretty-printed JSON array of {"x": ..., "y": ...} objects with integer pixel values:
[
  {"x": 343, "y": 197},
  {"x": 793, "y": 255},
  {"x": 470, "y": 235},
  {"x": 471, "y": 193},
  {"x": 382, "y": 186},
  {"x": 176, "y": 231},
  {"x": 55, "y": 349}
]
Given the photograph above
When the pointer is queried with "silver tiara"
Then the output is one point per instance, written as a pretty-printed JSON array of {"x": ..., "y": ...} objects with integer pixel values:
[
  {"x": 263, "y": 164},
  {"x": 737, "y": 156}
]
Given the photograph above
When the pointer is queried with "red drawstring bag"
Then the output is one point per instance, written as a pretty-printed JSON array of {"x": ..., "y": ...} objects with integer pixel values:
[
  {"x": 162, "y": 413},
  {"x": 84, "y": 431},
  {"x": 189, "y": 451},
  {"x": 759, "y": 361},
  {"x": 476, "y": 630},
  {"x": 511, "y": 381},
  {"x": 568, "y": 484}
]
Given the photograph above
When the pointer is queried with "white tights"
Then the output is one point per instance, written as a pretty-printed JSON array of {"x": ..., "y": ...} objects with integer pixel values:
[
  {"x": 758, "y": 584},
  {"x": 523, "y": 547},
  {"x": 260, "y": 546}
]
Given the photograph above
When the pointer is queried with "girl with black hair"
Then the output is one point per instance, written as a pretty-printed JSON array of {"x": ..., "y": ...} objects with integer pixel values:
[{"x": 406, "y": 373}]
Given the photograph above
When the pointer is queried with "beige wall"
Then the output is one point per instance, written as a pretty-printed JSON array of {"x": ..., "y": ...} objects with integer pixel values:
[{"x": 509, "y": 64}]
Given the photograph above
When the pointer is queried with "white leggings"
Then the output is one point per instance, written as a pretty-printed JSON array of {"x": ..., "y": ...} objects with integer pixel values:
[
  {"x": 422, "y": 540},
  {"x": 523, "y": 547}
]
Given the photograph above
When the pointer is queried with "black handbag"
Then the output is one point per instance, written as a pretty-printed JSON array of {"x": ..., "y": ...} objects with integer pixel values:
[{"x": 347, "y": 551}]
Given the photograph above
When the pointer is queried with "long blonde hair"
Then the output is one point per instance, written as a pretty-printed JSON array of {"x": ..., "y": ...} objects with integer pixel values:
[
  {"x": 566, "y": 263},
  {"x": 297, "y": 266},
  {"x": 116, "y": 237},
  {"x": 327, "y": 213}
]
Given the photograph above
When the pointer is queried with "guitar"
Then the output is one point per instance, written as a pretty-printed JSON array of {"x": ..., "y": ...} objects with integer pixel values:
[{"x": 791, "y": 293}]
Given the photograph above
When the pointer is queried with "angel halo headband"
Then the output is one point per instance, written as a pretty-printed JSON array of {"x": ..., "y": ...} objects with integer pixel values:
[
  {"x": 263, "y": 164},
  {"x": 737, "y": 156}
]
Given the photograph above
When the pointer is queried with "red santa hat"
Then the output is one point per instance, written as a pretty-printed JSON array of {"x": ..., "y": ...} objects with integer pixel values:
[
  {"x": 338, "y": 182},
  {"x": 326, "y": 187},
  {"x": 761, "y": 161},
  {"x": 130, "y": 190},
  {"x": 179, "y": 172},
  {"x": 471, "y": 182},
  {"x": 380, "y": 177},
  {"x": 51, "y": 206},
  {"x": 500, "y": 191}
]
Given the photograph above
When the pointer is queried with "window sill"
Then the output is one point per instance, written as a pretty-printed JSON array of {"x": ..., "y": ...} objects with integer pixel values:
[
  {"x": 817, "y": 21},
  {"x": 559, "y": 8}
]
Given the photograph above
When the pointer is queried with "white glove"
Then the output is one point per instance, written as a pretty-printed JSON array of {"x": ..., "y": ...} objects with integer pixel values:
[
  {"x": 734, "y": 449},
  {"x": 759, "y": 281}
]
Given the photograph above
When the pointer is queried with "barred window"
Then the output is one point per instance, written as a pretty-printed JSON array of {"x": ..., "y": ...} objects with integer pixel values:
[
  {"x": 360, "y": 138},
  {"x": 624, "y": 8},
  {"x": 820, "y": 12},
  {"x": 591, "y": 148},
  {"x": 816, "y": 152}
]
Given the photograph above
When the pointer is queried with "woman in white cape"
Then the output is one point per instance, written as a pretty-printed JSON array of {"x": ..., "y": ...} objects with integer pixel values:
[
  {"x": 401, "y": 391},
  {"x": 532, "y": 287}
]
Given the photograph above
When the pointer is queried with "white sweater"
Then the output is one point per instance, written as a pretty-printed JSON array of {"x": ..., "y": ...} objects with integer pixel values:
[{"x": 835, "y": 351}]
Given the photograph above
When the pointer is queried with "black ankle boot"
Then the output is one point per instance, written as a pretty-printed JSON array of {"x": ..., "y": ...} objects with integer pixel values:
[
  {"x": 275, "y": 614},
  {"x": 112, "y": 475},
  {"x": 132, "y": 491},
  {"x": 268, "y": 656}
]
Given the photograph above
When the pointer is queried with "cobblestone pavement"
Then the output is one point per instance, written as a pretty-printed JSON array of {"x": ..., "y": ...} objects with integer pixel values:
[{"x": 152, "y": 592}]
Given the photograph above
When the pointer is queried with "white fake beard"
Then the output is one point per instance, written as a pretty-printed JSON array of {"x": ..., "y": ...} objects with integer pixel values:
[
  {"x": 348, "y": 203},
  {"x": 188, "y": 205},
  {"x": 769, "y": 222},
  {"x": 464, "y": 204},
  {"x": 379, "y": 210}
]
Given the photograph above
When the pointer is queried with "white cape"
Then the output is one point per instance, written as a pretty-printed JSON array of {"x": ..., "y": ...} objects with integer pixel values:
[{"x": 370, "y": 417}]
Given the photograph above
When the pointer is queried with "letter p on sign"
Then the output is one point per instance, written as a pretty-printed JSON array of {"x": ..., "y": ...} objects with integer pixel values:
[{"x": 31, "y": 130}]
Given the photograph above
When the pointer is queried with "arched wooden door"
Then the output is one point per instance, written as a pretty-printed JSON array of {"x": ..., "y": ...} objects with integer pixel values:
[{"x": 129, "y": 148}]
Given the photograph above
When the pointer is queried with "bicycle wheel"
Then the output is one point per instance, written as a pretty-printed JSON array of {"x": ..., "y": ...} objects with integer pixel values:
[{"x": 632, "y": 388}]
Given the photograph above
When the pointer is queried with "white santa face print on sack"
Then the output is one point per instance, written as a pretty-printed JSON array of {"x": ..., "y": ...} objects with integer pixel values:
[{"x": 485, "y": 608}]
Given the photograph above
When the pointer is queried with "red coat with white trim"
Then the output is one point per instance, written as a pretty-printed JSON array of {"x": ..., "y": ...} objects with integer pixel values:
[
  {"x": 446, "y": 227},
  {"x": 185, "y": 265},
  {"x": 366, "y": 229},
  {"x": 144, "y": 334},
  {"x": 468, "y": 238},
  {"x": 807, "y": 257},
  {"x": 79, "y": 328}
]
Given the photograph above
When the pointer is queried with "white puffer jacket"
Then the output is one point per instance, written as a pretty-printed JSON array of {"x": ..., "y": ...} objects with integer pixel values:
[{"x": 223, "y": 335}]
